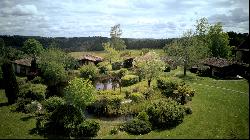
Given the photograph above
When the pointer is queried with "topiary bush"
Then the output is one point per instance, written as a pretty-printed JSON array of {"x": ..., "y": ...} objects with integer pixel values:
[
  {"x": 52, "y": 103},
  {"x": 87, "y": 129},
  {"x": 128, "y": 80},
  {"x": 165, "y": 113},
  {"x": 33, "y": 91},
  {"x": 137, "y": 127},
  {"x": 89, "y": 71}
]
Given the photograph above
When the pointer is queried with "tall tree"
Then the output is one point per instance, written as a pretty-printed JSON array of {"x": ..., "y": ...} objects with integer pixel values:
[
  {"x": 10, "y": 83},
  {"x": 116, "y": 42},
  {"x": 112, "y": 54},
  {"x": 218, "y": 41},
  {"x": 32, "y": 47}
]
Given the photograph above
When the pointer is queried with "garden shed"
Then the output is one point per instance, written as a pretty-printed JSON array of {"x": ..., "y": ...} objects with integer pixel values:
[
  {"x": 88, "y": 58},
  {"x": 220, "y": 67},
  {"x": 22, "y": 66}
]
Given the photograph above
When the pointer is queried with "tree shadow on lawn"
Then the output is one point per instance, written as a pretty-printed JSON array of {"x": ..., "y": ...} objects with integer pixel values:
[{"x": 36, "y": 131}]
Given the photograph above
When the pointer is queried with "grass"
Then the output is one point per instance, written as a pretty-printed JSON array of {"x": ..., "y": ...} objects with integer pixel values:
[
  {"x": 14, "y": 125},
  {"x": 217, "y": 114}
]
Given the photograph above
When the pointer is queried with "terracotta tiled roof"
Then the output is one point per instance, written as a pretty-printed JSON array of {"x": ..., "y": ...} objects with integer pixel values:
[
  {"x": 24, "y": 62},
  {"x": 89, "y": 57},
  {"x": 216, "y": 62}
]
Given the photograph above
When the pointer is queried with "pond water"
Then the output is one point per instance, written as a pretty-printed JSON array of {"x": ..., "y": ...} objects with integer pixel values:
[{"x": 105, "y": 84}]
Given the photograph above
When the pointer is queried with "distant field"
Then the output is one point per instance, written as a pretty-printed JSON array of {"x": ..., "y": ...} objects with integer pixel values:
[
  {"x": 103, "y": 53},
  {"x": 218, "y": 113}
]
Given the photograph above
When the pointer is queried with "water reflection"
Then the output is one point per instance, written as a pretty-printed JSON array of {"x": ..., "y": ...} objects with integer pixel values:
[{"x": 106, "y": 84}]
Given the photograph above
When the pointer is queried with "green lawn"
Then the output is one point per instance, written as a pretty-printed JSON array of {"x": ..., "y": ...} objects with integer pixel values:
[
  {"x": 14, "y": 125},
  {"x": 217, "y": 113}
]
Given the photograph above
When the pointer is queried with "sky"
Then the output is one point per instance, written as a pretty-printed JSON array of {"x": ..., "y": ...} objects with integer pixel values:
[{"x": 137, "y": 18}]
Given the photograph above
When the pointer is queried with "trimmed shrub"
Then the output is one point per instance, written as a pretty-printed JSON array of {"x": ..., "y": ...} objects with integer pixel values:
[
  {"x": 33, "y": 91},
  {"x": 165, "y": 114},
  {"x": 106, "y": 106},
  {"x": 87, "y": 129},
  {"x": 136, "y": 97},
  {"x": 53, "y": 103},
  {"x": 128, "y": 80},
  {"x": 89, "y": 71},
  {"x": 64, "y": 120},
  {"x": 137, "y": 127}
]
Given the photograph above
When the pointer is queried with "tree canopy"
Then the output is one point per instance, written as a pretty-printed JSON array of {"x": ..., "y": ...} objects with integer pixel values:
[{"x": 32, "y": 47}]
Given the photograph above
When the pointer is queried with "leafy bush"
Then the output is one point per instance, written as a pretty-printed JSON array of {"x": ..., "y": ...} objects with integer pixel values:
[
  {"x": 127, "y": 94},
  {"x": 64, "y": 120},
  {"x": 148, "y": 93},
  {"x": 109, "y": 106},
  {"x": 136, "y": 97},
  {"x": 53, "y": 73},
  {"x": 33, "y": 91},
  {"x": 143, "y": 116},
  {"x": 128, "y": 80},
  {"x": 183, "y": 94},
  {"x": 114, "y": 131},
  {"x": 87, "y": 129},
  {"x": 33, "y": 107},
  {"x": 53, "y": 103},
  {"x": 79, "y": 92},
  {"x": 37, "y": 80},
  {"x": 104, "y": 67},
  {"x": 89, "y": 71},
  {"x": 117, "y": 65},
  {"x": 21, "y": 103},
  {"x": 167, "y": 86},
  {"x": 21, "y": 80},
  {"x": 137, "y": 127},
  {"x": 108, "y": 92},
  {"x": 165, "y": 113}
]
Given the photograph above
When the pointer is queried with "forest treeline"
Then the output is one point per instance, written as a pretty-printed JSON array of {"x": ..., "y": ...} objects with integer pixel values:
[{"x": 95, "y": 43}]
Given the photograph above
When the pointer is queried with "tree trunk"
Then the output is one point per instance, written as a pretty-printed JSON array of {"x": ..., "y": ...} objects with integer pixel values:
[
  {"x": 185, "y": 67},
  {"x": 149, "y": 83}
]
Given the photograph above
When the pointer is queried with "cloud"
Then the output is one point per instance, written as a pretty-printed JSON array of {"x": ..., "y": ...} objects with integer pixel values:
[
  {"x": 138, "y": 18},
  {"x": 20, "y": 10}
]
